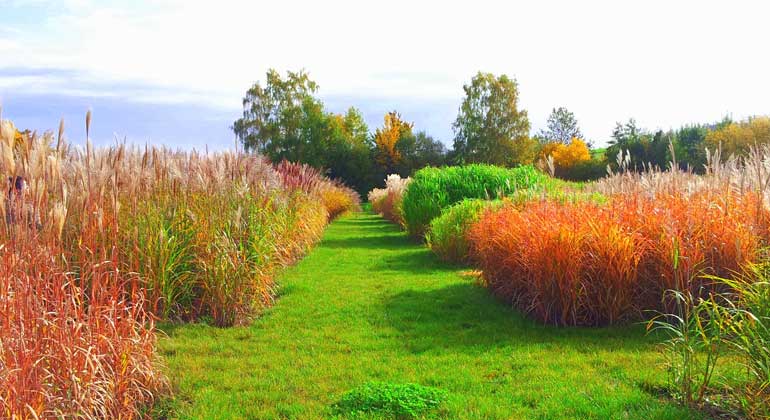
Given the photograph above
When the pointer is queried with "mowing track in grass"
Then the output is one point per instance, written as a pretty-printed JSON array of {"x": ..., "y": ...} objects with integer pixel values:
[{"x": 370, "y": 305}]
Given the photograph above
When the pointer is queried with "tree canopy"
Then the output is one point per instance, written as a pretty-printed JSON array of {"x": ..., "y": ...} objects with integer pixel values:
[
  {"x": 562, "y": 127},
  {"x": 490, "y": 127}
]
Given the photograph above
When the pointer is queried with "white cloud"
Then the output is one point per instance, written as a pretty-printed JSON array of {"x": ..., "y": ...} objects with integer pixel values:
[{"x": 663, "y": 62}]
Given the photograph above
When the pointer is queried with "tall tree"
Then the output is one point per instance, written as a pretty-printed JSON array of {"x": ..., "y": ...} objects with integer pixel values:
[
  {"x": 562, "y": 127},
  {"x": 386, "y": 139},
  {"x": 273, "y": 116},
  {"x": 348, "y": 151},
  {"x": 489, "y": 123},
  {"x": 418, "y": 151}
]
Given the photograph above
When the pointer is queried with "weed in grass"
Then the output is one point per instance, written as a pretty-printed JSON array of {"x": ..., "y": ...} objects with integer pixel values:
[{"x": 398, "y": 401}]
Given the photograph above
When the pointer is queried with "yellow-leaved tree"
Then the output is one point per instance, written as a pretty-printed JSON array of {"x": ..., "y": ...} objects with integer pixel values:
[
  {"x": 738, "y": 137},
  {"x": 566, "y": 156},
  {"x": 386, "y": 141}
]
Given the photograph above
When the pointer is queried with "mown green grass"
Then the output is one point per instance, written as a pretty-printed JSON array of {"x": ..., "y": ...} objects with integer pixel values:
[{"x": 368, "y": 304}]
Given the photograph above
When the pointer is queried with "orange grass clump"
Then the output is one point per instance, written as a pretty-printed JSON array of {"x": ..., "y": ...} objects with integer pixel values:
[{"x": 582, "y": 263}]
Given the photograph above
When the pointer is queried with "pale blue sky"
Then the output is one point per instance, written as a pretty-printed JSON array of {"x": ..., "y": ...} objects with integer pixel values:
[{"x": 174, "y": 71}]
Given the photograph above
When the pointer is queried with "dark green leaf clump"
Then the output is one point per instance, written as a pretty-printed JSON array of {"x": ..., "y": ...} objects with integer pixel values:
[
  {"x": 433, "y": 189},
  {"x": 400, "y": 401}
]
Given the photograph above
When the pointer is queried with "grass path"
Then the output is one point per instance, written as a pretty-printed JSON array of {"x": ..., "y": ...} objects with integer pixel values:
[{"x": 368, "y": 304}]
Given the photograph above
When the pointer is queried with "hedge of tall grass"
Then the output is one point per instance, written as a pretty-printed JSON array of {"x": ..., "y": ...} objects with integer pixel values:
[
  {"x": 433, "y": 189},
  {"x": 96, "y": 244}
]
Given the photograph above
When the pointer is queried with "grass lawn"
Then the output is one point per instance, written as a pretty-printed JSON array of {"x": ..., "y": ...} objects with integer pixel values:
[{"x": 370, "y": 305}]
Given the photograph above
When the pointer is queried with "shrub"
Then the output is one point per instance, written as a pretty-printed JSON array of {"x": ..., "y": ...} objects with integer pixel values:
[
  {"x": 587, "y": 170},
  {"x": 583, "y": 263},
  {"x": 447, "y": 234},
  {"x": 433, "y": 189},
  {"x": 400, "y": 401},
  {"x": 565, "y": 156}
]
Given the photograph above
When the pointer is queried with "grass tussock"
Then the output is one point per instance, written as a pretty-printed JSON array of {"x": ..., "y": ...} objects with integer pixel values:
[{"x": 447, "y": 236}]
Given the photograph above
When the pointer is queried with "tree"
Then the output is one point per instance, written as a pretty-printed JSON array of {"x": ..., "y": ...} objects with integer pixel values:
[
  {"x": 489, "y": 123},
  {"x": 418, "y": 151},
  {"x": 738, "y": 138},
  {"x": 348, "y": 151},
  {"x": 386, "y": 139},
  {"x": 566, "y": 156},
  {"x": 562, "y": 127},
  {"x": 630, "y": 139}
]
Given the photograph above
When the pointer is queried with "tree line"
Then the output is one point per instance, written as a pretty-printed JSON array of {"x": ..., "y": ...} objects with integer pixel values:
[{"x": 284, "y": 119}]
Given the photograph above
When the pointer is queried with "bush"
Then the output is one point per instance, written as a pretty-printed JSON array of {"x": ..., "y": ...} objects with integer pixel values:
[
  {"x": 588, "y": 170},
  {"x": 565, "y": 156},
  {"x": 583, "y": 263},
  {"x": 447, "y": 234},
  {"x": 434, "y": 189},
  {"x": 400, "y": 401}
]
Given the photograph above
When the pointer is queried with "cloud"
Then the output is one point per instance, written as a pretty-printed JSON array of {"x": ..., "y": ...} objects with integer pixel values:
[{"x": 665, "y": 63}]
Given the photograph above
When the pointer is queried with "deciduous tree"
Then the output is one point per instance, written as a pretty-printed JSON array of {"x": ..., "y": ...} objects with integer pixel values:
[
  {"x": 489, "y": 123},
  {"x": 562, "y": 127}
]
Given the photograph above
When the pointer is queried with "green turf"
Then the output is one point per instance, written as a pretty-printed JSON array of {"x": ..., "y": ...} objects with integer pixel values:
[{"x": 370, "y": 305}]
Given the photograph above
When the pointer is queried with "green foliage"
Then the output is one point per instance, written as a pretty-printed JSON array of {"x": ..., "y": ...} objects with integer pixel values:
[
  {"x": 433, "y": 189},
  {"x": 589, "y": 170},
  {"x": 400, "y": 401},
  {"x": 418, "y": 151},
  {"x": 490, "y": 125},
  {"x": 735, "y": 323},
  {"x": 164, "y": 238},
  {"x": 695, "y": 345},
  {"x": 447, "y": 234},
  {"x": 276, "y": 118},
  {"x": 285, "y": 121}
]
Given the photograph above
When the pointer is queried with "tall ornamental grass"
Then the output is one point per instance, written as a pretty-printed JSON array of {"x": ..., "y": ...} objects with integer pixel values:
[
  {"x": 447, "y": 236},
  {"x": 584, "y": 263},
  {"x": 387, "y": 201},
  {"x": 433, "y": 189},
  {"x": 709, "y": 334},
  {"x": 76, "y": 340},
  {"x": 98, "y": 243}
]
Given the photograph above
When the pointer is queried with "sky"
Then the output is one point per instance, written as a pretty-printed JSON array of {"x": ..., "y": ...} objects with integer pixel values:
[{"x": 175, "y": 71}]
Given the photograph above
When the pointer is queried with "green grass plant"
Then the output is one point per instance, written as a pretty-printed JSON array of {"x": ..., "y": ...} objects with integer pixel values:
[
  {"x": 433, "y": 189},
  {"x": 447, "y": 234}
]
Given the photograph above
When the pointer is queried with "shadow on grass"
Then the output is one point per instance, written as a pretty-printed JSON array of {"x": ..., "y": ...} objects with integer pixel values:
[
  {"x": 395, "y": 242},
  {"x": 466, "y": 317},
  {"x": 417, "y": 260}
]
